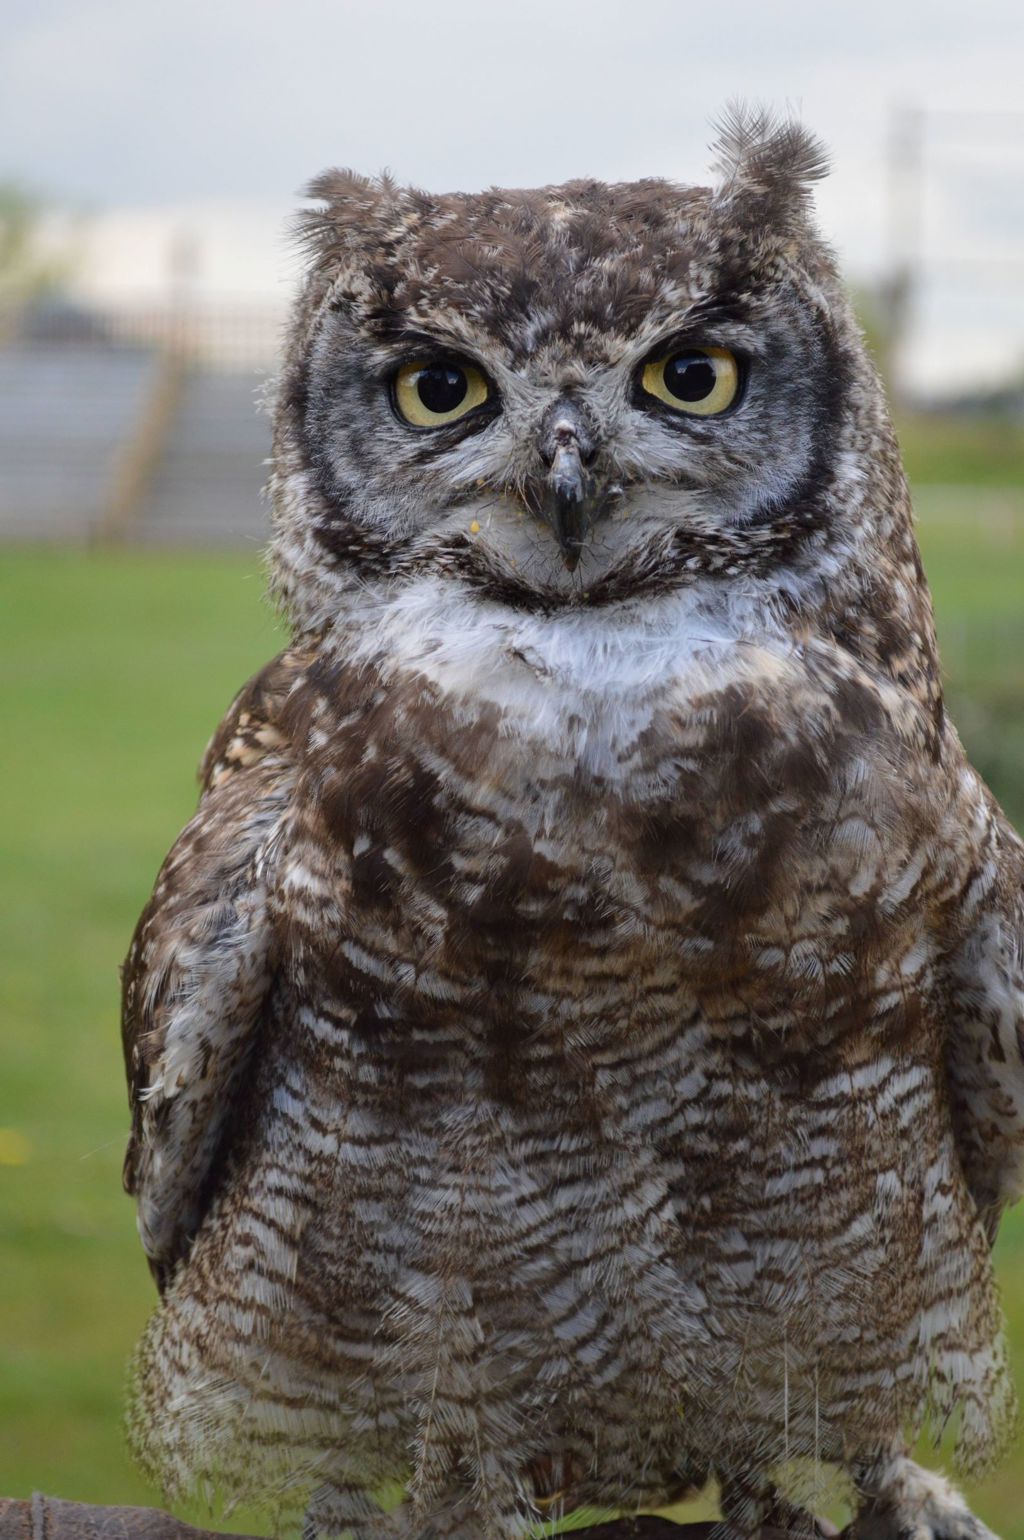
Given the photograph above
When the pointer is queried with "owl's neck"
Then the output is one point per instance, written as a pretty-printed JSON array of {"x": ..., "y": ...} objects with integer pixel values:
[
  {"x": 589, "y": 681},
  {"x": 462, "y": 645}
]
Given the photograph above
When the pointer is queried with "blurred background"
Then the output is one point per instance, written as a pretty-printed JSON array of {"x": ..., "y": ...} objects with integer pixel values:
[{"x": 149, "y": 158}]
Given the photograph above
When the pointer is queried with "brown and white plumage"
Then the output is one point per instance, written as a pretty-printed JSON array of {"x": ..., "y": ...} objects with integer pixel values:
[
  {"x": 576, "y": 1045},
  {"x": 196, "y": 978}
]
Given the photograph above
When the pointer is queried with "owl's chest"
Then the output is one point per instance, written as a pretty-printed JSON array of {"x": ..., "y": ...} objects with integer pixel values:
[
  {"x": 479, "y": 877},
  {"x": 663, "y": 997}
]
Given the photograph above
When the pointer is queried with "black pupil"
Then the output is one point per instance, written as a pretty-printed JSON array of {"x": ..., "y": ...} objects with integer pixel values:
[
  {"x": 690, "y": 376},
  {"x": 442, "y": 389}
]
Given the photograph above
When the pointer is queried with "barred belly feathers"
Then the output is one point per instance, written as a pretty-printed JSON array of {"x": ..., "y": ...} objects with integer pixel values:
[{"x": 575, "y": 1048}]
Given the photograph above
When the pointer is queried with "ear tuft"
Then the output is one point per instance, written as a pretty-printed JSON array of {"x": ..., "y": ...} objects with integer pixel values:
[
  {"x": 758, "y": 152},
  {"x": 354, "y": 209}
]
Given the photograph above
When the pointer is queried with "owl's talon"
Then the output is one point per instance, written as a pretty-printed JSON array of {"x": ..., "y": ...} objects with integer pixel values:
[{"x": 904, "y": 1502}]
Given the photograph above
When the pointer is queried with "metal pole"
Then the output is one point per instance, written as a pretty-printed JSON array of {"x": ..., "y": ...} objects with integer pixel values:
[{"x": 905, "y": 237}]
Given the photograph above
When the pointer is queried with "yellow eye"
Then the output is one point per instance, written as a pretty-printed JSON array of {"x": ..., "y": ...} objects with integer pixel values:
[
  {"x": 699, "y": 381},
  {"x": 428, "y": 395}
]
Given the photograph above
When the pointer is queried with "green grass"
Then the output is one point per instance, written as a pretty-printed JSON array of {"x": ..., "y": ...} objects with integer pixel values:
[
  {"x": 115, "y": 668},
  {"x": 978, "y": 451},
  {"x": 974, "y": 556}
]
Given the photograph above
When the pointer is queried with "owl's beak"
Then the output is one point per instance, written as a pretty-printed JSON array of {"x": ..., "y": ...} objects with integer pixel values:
[
  {"x": 568, "y": 497},
  {"x": 567, "y": 503}
]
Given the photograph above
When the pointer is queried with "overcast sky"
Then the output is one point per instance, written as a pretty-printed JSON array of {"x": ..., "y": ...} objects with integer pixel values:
[
  {"x": 146, "y": 102},
  {"x": 108, "y": 103}
]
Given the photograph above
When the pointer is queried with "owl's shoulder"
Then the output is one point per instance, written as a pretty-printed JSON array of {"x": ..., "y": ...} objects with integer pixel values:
[{"x": 255, "y": 723}]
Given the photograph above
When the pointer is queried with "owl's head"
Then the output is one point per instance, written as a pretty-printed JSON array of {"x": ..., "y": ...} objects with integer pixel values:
[{"x": 568, "y": 396}]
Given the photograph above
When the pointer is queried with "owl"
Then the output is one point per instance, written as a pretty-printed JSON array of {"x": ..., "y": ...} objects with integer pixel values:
[{"x": 575, "y": 1047}]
